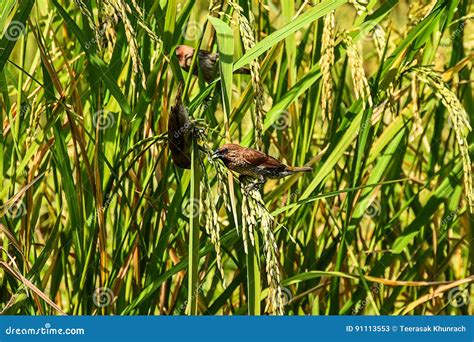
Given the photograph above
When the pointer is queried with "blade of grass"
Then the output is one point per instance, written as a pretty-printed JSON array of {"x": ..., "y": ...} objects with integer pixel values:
[
  {"x": 306, "y": 18},
  {"x": 193, "y": 250},
  {"x": 225, "y": 44},
  {"x": 435, "y": 199},
  {"x": 18, "y": 23},
  {"x": 95, "y": 61}
]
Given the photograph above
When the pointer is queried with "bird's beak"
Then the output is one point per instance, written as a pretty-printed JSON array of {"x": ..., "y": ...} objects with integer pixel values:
[{"x": 216, "y": 154}]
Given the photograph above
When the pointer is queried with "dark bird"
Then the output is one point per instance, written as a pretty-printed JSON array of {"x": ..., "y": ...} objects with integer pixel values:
[
  {"x": 252, "y": 163},
  {"x": 207, "y": 61},
  {"x": 180, "y": 130}
]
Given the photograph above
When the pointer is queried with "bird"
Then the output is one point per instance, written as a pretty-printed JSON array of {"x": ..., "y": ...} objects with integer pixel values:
[
  {"x": 180, "y": 130},
  {"x": 255, "y": 164},
  {"x": 207, "y": 61}
]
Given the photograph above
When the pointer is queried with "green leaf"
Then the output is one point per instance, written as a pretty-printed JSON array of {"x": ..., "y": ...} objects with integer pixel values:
[
  {"x": 443, "y": 191},
  {"x": 306, "y": 18},
  {"x": 16, "y": 27},
  {"x": 225, "y": 46},
  {"x": 102, "y": 69}
]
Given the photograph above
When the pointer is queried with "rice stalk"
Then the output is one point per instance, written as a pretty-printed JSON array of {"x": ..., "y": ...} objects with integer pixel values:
[
  {"x": 207, "y": 201},
  {"x": 417, "y": 124},
  {"x": 112, "y": 17},
  {"x": 90, "y": 18},
  {"x": 273, "y": 272},
  {"x": 360, "y": 6},
  {"x": 214, "y": 7},
  {"x": 359, "y": 80},
  {"x": 417, "y": 11},
  {"x": 211, "y": 224},
  {"x": 144, "y": 26},
  {"x": 380, "y": 40},
  {"x": 254, "y": 211},
  {"x": 248, "y": 39},
  {"x": 221, "y": 174},
  {"x": 123, "y": 9},
  {"x": 460, "y": 122},
  {"x": 193, "y": 241},
  {"x": 327, "y": 63},
  {"x": 249, "y": 223}
]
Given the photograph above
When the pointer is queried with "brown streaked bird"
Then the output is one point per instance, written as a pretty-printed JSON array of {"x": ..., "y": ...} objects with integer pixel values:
[
  {"x": 180, "y": 130},
  {"x": 208, "y": 63},
  {"x": 249, "y": 162}
]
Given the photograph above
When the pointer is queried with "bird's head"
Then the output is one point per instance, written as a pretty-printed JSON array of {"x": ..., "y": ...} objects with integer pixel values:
[
  {"x": 225, "y": 151},
  {"x": 184, "y": 54}
]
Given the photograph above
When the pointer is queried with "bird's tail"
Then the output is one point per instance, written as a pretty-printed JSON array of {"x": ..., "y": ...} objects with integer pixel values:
[
  {"x": 179, "y": 92},
  {"x": 294, "y": 169}
]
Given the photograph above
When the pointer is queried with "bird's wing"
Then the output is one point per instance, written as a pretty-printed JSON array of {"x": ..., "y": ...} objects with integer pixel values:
[
  {"x": 213, "y": 57},
  {"x": 260, "y": 159}
]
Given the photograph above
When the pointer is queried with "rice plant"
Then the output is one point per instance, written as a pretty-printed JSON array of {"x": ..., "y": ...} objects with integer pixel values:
[{"x": 376, "y": 97}]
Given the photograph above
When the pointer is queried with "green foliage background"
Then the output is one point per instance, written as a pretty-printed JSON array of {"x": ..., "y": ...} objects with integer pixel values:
[{"x": 95, "y": 218}]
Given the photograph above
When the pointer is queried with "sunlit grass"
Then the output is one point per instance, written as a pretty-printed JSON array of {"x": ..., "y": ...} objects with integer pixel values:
[{"x": 96, "y": 219}]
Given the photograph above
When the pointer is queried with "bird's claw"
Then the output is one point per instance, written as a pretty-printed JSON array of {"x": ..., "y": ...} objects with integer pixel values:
[
  {"x": 198, "y": 128},
  {"x": 250, "y": 184}
]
